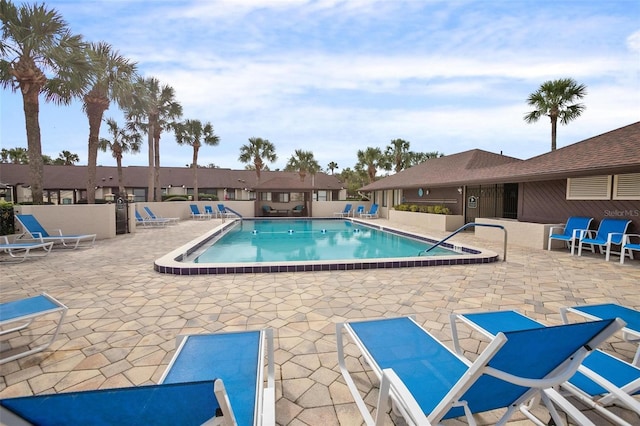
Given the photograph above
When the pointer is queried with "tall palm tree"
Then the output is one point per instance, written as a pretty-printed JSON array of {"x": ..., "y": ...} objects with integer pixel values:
[
  {"x": 332, "y": 166},
  {"x": 256, "y": 151},
  {"x": 67, "y": 158},
  {"x": 153, "y": 110},
  {"x": 369, "y": 160},
  {"x": 194, "y": 133},
  {"x": 123, "y": 140},
  {"x": 555, "y": 99},
  {"x": 398, "y": 155},
  {"x": 40, "y": 55},
  {"x": 112, "y": 80},
  {"x": 18, "y": 156},
  {"x": 303, "y": 163}
]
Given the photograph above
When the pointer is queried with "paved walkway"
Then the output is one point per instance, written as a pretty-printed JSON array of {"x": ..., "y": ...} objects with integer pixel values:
[{"x": 123, "y": 317}]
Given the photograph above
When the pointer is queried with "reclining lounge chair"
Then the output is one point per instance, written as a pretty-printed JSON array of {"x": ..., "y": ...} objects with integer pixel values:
[
  {"x": 373, "y": 212},
  {"x": 429, "y": 383},
  {"x": 21, "y": 251},
  {"x": 213, "y": 378},
  {"x": 345, "y": 212},
  {"x": 152, "y": 216},
  {"x": 20, "y": 314},
  {"x": 601, "y": 380},
  {"x": 36, "y": 231},
  {"x": 150, "y": 223},
  {"x": 631, "y": 332},
  {"x": 630, "y": 243}
]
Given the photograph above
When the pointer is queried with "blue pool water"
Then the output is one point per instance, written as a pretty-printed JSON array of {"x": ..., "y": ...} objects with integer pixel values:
[{"x": 308, "y": 240}]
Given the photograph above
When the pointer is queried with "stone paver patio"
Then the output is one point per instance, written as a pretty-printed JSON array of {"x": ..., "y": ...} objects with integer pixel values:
[{"x": 123, "y": 317}]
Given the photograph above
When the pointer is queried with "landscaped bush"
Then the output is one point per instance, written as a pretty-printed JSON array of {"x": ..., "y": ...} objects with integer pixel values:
[
  {"x": 422, "y": 209},
  {"x": 6, "y": 218}
]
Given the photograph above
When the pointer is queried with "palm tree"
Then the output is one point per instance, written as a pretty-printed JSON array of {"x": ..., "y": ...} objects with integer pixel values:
[
  {"x": 112, "y": 80},
  {"x": 303, "y": 163},
  {"x": 18, "y": 155},
  {"x": 256, "y": 151},
  {"x": 332, "y": 166},
  {"x": 555, "y": 99},
  {"x": 157, "y": 105},
  {"x": 122, "y": 140},
  {"x": 398, "y": 155},
  {"x": 66, "y": 158},
  {"x": 39, "y": 55},
  {"x": 192, "y": 132},
  {"x": 369, "y": 160}
]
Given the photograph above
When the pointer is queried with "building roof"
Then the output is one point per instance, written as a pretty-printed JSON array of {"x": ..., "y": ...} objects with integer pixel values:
[
  {"x": 75, "y": 177},
  {"x": 614, "y": 152}
]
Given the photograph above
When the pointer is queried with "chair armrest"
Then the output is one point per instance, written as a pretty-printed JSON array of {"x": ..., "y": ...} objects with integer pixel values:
[
  {"x": 588, "y": 233},
  {"x": 610, "y": 237},
  {"x": 551, "y": 230},
  {"x": 626, "y": 238},
  {"x": 579, "y": 233},
  {"x": 392, "y": 386}
]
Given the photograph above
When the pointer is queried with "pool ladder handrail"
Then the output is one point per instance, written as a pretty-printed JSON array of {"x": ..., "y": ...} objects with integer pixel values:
[{"x": 469, "y": 225}]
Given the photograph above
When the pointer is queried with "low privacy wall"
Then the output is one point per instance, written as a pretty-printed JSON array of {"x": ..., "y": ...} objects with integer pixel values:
[
  {"x": 525, "y": 234},
  {"x": 96, "y": 219},
  {"x": 427, "y": 221}
]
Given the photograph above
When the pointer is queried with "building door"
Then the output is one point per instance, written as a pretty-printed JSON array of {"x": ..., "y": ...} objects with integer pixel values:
[{"x": 510, "y": 201}]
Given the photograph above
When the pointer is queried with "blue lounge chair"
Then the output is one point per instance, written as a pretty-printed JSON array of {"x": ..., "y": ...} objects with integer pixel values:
[
  {"x": 359, "y": 211},
  {"x": 208, "y": 372},
  {"x": 345, "y": 212},
  {"x": 148, "y": 222},
  {"x": 430, "y": 383},
  {"x": 222, "y": 211},
  {"x": 572, "y": 231},
  {"x": 150, "y": 215},
  {"x": 19, "y": 252},
  {"x": 601, "y": 380},
  {"x": 36, "y": 231},
  {"x": 373, "y": 212},
  {"x": 609, "y": 232},
  {"x": 195, "y": 212},
  {"x": 630, "y": 243},
  {"x": 631, "y": 333},
  {"x": 20, "y": 314}
]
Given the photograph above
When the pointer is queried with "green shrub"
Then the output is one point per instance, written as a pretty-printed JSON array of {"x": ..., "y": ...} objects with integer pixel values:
[{"x": 422, "y": 209}]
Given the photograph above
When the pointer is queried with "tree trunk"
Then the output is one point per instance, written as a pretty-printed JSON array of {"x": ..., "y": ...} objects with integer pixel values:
[
  {"x": 95, "y": 110},
  {"x": 194, "y": 164},
  {"x": 121, "y": 189},
  {"x": 156, "y": 148},
  {"x": 554, "y": 129},
  {"x": 34, "y": 148},
  {"x": 151, "y": 173}
]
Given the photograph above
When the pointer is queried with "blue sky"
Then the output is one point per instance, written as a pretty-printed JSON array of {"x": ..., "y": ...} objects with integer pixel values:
[{"x": 336, "y": 76}]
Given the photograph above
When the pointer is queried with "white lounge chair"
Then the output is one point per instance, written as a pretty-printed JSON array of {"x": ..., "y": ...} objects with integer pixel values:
[
  {"x": 20, "y": 314},
  {"x": 196, "y": 214},
  {"x": 151, "y": 215},
  {"x": 36, "y": 231},
  {"x": 429, "y": 383},
  {"x": 150, "y": 223},
  {"x": 213, "y": 379},
  {"x": 21, "y": 251},
  {"x": 602, "y": 379},
  {"x": 573, "y": 231}
]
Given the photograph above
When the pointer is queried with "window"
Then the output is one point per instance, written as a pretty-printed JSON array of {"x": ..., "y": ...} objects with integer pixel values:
[
  {"x": 626, "y": 187},
  {"x": 265, "y": 196},
  {"x": 280, "y": 197},
  {"x": 321, "y": 195},
  {"x": 589, "y": 188}
]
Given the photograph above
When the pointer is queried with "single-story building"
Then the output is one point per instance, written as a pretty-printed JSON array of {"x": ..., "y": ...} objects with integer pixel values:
[
  {"x": 67, "y": 185},
  {"x": 597, "y": 177}
]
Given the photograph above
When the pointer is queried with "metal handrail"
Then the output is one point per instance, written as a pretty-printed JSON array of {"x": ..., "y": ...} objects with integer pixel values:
[{"x": 469, "y": 225}]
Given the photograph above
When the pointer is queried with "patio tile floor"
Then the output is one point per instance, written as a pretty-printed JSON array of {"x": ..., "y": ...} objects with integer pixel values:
[{"x": 123, "y": 317}]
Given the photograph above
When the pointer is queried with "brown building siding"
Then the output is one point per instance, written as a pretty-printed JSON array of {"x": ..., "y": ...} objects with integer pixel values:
[{"x": 545, "y": 202}]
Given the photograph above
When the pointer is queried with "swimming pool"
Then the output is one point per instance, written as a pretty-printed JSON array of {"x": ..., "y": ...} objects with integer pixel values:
[{"x": 284, "y": 245}]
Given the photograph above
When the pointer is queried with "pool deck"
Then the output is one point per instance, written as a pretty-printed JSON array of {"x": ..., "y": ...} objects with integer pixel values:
[{"x": 124, "y": 317}]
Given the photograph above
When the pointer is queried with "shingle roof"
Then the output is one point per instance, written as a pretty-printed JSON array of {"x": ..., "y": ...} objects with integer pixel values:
[
  {"x": 75, "y": 177},
  {"x": 614, "y": 152}
]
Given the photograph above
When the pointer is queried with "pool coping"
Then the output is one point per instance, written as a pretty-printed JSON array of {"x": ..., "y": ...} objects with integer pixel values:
[{"x": 171, "y": 263}]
